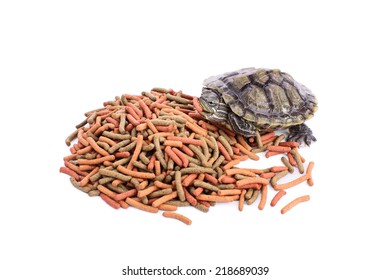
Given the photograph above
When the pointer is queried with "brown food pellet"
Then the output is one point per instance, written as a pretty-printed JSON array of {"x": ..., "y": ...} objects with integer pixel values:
[
  {"x": 287, "y": 164},
  {"x": 298, "y": 160},
  {"x": 255, "y": 194}
]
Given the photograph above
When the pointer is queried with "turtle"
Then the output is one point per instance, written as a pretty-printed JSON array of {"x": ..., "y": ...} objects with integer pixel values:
[{"x": 252, "y": 100}]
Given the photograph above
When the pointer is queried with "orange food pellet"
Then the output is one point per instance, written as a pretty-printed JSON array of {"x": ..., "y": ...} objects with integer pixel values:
[
  {"x": 295, "y": 202},
  {"x": 277, "y": 197},
  {"x": 177, "y": 216}
]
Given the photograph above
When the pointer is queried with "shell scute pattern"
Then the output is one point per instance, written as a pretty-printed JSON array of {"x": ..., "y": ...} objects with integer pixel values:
[
  {"x": 268, "y": 98},
  {"x": 276, "y": 76},
  {"x": 259, "y": 77},
  {"x": 278, "y": 98}
]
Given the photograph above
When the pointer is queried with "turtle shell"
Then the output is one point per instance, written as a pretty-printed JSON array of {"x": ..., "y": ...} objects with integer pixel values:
[{"x": 270, "y": 99}]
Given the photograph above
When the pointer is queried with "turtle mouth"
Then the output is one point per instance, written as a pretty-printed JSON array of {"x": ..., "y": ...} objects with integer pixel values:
[{"x": 206, "y": 109}]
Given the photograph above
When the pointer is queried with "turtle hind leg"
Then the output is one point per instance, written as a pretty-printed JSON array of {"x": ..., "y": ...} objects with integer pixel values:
[
  {"x": 241, "y": 126},
  {"x": 302, "y": 134}
]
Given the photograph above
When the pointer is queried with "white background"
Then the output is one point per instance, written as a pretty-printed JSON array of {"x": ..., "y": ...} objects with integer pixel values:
[{"x": 59, "y": 59}]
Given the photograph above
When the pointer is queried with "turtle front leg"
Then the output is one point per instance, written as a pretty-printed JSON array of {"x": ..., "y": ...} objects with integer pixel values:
[
  {"x": 302, "y": 134},
  {"x": 241, "y": 126}
]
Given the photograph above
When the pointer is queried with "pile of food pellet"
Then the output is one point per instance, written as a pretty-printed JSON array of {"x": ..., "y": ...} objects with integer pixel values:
[{"x": 155, "y": 151}]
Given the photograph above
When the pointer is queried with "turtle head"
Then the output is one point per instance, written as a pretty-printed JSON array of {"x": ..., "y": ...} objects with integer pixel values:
[{"x": 213, "y": 105}]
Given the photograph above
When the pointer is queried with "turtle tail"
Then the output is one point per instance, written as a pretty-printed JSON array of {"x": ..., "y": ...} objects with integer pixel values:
[{"x": 302, "y": 134}]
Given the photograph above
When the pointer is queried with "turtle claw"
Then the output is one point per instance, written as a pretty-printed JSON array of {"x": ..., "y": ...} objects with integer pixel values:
[{"x": 301, "y": 134}]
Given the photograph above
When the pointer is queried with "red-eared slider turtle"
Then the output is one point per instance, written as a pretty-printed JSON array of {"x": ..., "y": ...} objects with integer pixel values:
[{"x": 253, "y": 99}]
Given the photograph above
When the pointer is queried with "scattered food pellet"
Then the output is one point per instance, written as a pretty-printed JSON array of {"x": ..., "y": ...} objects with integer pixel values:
[
  {"x": 156, "y": 152},
  {"x": 177, "y": 216},
  {"x": 295, "y": 202}
]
